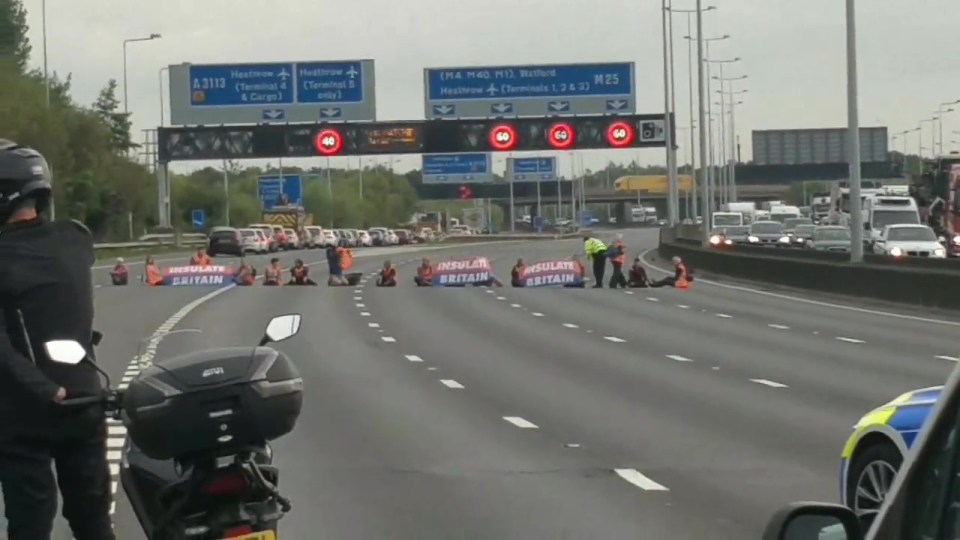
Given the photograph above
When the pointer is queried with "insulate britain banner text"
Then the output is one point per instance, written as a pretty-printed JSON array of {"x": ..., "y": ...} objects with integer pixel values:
[
  {"x": 551, "y": 273},
  {"x": 459, "y": 273}
]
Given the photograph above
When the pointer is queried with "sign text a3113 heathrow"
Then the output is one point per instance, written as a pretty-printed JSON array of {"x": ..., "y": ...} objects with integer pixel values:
[{"x": 413, "y": 137}]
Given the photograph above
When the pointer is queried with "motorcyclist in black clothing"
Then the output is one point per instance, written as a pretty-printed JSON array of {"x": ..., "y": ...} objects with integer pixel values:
[
  {"x": 637, "y": 275},
  {"x": 46, "y": 294}
]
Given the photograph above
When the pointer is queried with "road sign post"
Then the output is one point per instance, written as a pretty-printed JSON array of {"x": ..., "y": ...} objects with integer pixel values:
[
  {"x": 198, "y": 219},
  {"x": 280, "y": 92},
  {"x": 534, "y": 90},
  {"x": 457, "y": 168},
  {"x": 274, "y": 190}
]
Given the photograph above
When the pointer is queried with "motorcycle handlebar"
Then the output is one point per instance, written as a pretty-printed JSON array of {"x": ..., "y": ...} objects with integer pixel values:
[
  {"x": 81, "y": 401},
  {"x": 110, "y": 399}
]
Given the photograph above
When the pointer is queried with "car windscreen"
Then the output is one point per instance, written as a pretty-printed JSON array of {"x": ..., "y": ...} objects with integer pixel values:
[
  {"x": 883, "y": 218},
  {"x": 832, "y": 234},
  {"x": 228, "y": 233},
  {"x": 911, "y": 234},
  {"x": 247, "y": 233},
  {"x": 805, "y": 230},
  {"x": 795, "y": 222},
  {"x": 735, "y": 231},
  {"x": 766, "y": 228}
]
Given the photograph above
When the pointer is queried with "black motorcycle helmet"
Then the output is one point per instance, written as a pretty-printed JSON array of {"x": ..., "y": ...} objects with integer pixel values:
[{"x": 24, "y": 175}]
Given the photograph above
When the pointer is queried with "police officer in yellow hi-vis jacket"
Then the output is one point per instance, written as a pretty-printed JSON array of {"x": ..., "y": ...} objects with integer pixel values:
[{"x": 597, "y": 252}]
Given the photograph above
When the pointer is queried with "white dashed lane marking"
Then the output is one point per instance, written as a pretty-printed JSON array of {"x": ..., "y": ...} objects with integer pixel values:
[
  {"x": 570, "y": 325},
  {"x": 724, "y": 316},
  {"x": 515, "y": 305},
  {"x": 947, "y": 358},
  {"x": 850, "y": 340},
  {"x": 413, "y": 358},
  {"x": 779, "y": 326},
  {"x": 614, "y": 339},
  {"x": 388, "y": 339},
  {"x": 361, "y": 305},
  {"x": 373, "y": 325},
  {"x": 683, "y": 306},
  {"x": 450, "y": 383},
  {"x": 652, "y": 299},
  {"x": 537, "y": 314},
  {"x": 364, "y": 313},
  {"x": 521, "y": 422},
  {"x": 358, "y": 298},
  {"x": 767, "y": 382},
  {"x": 637, "y": 478},
  {"x": 501, "y": 298},
  {"x": 678, "y": 358}
]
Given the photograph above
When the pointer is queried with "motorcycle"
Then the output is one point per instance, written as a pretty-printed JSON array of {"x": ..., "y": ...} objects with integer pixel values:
[{"x": 197, "y": 463}]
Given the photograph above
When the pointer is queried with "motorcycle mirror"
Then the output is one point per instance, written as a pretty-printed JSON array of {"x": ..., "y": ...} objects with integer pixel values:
[
  {"x": 65, "y": 351},
  {"x": 281, "y": 328},
  {"x": 97, "y": 338}
]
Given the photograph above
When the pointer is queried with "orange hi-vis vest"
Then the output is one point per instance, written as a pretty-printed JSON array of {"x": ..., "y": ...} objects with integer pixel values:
[
  {"x": 346, "y": 258},
  {"x": 682, "y": 281},
  {"x": 622, "y": 258},
  {"x": 199, "y": 260},
  {"x": 154, "y": 277}
]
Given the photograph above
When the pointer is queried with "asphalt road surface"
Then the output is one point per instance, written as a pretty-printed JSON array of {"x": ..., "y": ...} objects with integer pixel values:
[{"x": 550, "y": 413}]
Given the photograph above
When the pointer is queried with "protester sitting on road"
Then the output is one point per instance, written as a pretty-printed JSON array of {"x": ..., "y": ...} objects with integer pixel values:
[
  {"x": 271, "y": 276},
  {"x": 424, "y": 277},
  {"x": 638, "y": 275},
  {"x": 300, "y": 274},
  {"x": 388, "y": 275},
  {"x": 245, "y": 274},
  {"x": 334, "y": 254},
  {"x": 200, "y": 258},
  {"x": 583, "y": 274},
  {"x": 119, "y": 275},
  {"x": 680, "y": 279},
  {"x": 516, "y": 274},
  {"x": 152, "y": 275}
]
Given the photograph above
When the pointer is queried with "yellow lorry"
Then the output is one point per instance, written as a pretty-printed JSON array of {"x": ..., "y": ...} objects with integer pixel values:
[{"x": 655, "y": 184}]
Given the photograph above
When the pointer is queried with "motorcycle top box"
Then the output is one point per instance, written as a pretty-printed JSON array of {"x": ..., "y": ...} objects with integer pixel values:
[{"x": 218, "y": 401}]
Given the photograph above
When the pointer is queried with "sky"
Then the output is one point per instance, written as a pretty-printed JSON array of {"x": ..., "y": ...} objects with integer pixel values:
[{"x": 792, "y": 52}]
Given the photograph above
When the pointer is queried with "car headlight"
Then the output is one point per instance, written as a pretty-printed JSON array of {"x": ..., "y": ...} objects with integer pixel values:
[
  {"x": 956, "y": 240},
  {"x": 728, "y": 241},
  {"x": 714, "y": 239},
  {"x": 784, "y": 239},
  {"x": 896, "y": 252},
  {"x": 799, "y": 240},
  {"x": 753, "y": 239},
  {"x": 940, "y": 252}
]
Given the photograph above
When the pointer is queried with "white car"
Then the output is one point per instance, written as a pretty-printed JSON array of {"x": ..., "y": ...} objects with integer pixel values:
[
  {"x": 254, "y": 241},
  {"x": 392, "y": 239},
  {"x": 329, "y": 238},
  {"x": 293, "y": 239},
  {"x": 316, "y": 236},
  {"x": 365, "y": 239},
  {"x": 906, "y": 240}
]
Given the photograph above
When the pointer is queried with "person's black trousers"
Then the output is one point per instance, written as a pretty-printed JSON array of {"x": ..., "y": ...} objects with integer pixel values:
[
  {"x": 617, "y": 279},
  {"x": 78, "y": 451},
  {"x": 599, "y": 268}
]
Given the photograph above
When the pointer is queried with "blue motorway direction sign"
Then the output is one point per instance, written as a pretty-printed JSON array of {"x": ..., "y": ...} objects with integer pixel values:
[
  {"x": 535, "y": 90},
  {"x": 537, "y": 169},
  {"x": 456, "y": 168},
  {"x": 218, "y": 94},
  {"x": 274, "y": 190},
  {"x": 198, "y": 218}
]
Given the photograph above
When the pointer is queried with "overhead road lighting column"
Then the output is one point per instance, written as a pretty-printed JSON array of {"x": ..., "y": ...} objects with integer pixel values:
[
  {"x": 693, "y": 144},
  {"x": 672, "y": 191},
  {"x": 702, "y": 114},
  {"x": 711, "y": 173},
  {"x": 933, "y": 134},
  {"x": 723, "y": 150},
  {"x": 151, "y": 37},
  {"x": 940, "y": 112},
  {"x": 160, "y": 88},
  {"x": 853, "y": 137},
  {"x": 734, "y": 157}
]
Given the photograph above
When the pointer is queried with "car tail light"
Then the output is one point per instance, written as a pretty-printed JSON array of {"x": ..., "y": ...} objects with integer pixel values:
[{"x": 226, "y": 482}]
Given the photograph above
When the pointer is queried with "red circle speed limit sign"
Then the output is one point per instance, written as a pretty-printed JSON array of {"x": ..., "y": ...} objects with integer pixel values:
[
  {"x": 561, "y": 135},
  {"x": 503, "y": 137},
  {"x": 620, "y": 134},
  {"x": 328, "y": 142}
]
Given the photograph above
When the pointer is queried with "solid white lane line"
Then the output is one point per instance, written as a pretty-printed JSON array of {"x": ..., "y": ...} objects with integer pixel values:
[
  {"x": 364, "y": 313},
  {"x": 636, "y": 478},
  {"x": 767, "y": 382},
  {"x": 947, "y": 358},
  {"x": 450, "y": 383},
  {"x": 413, "y": 358},
  {"x": 850, "y": 340},
  {"x": 679, "y": 358},
  {"x": 388, "y": 339},
  {"x": 724, "y": 316},
  {"x": 652, "y": 299},
  {"x": 570, "y": 325},
  {"x": 520, "y": 422},
  {"x": 779, "y": 326},
  {"x": 537, "y": 314},
  {"x": 514, "y": 305},
  {"x": 374, "y": 325},
  {"x": 614, "y": 339}
]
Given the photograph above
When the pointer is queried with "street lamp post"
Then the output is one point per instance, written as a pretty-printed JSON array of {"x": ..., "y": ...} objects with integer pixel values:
[
  {"x": 160, "y": 87},
  {"x": 940, "y": 112},
  {"x": 704, "y": 188},
  {"x": 711, "y": 174},
  {"x": 932, "y": 133},
  {"x": 731, "y": 163},
  {"x": 853, "y": 137},
  {"x": 693, "y": 151},
  {"x": 672, "y": 192},
  {"x": 722, "y": 150},
  {"x": 151, "y": 37}
]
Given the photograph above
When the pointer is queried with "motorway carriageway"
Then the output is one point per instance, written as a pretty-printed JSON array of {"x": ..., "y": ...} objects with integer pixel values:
[{"x": 547, "y": 413}]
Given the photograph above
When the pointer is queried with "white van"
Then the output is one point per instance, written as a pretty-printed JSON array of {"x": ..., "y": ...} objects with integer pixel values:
[
  {"x": 881, "y": 211},
  {"x": 726, "y": 219},
  {"x": 783, "y": 212}
]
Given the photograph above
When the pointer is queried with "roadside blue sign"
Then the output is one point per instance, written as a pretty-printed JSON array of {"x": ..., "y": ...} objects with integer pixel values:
[
  {"x": 251, "y": 84},
  {"x": 198, "y": 218},
  {"x": 456, "y": 168},
  {"x": 213, "y": 94},
  {"x": 533, "y": 90},
  {"x": 586, "y": 219},
  {"x": 538, "y": 223},
  {"x": 280, "y": 191},
  {"x": 536, "y": 169}
]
